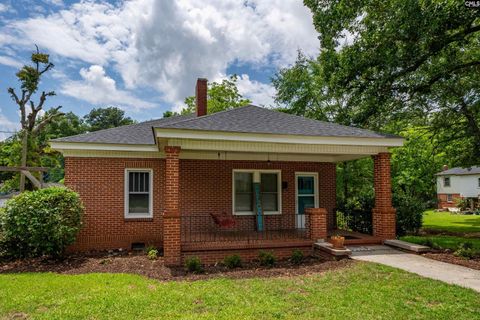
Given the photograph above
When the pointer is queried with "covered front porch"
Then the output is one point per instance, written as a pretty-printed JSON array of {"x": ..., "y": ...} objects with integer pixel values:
[{"x": 210, "y": 185}]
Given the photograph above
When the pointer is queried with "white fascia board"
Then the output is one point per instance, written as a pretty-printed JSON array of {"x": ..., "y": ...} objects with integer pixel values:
[
  {"x": 276, "y": 138},
  {"x": 102, "y": 146}
]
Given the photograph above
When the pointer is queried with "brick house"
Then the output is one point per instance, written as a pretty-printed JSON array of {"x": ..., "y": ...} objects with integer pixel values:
[{"x": 210, "y": 185}]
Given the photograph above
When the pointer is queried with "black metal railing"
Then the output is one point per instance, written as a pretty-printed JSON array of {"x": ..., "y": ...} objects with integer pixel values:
[
  {"x": 234, "y": 228},
  {"x": 355, "y": 220}
]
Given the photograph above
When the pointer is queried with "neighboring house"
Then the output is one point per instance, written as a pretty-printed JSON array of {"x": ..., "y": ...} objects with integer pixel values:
[
  {"x": 237, "y": 181},
  {"x": 457, "y": 183}
]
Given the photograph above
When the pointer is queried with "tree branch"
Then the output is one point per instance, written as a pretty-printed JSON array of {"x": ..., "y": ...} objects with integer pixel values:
[{"x": 48, "y": 119}]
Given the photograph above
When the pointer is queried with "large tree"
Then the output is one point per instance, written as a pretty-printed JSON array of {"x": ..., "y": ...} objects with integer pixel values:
[
  {"x": 381, "y": 61},
  {"x": 29, "y": 77},
  {"x": 105, "y": 118}
]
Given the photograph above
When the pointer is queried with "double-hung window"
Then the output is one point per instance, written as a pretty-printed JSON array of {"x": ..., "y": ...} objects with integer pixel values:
[
  {"x": 244, "y": 193},
  {"x": 138, "y": 193},
  {"x": 446, "y": 181}
]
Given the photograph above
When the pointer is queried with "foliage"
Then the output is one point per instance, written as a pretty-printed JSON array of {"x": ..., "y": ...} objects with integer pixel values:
[
  {"x": 297, "y": 256},
  {"x": 232, "y": 261},
  {"x": 384, "y": 292},
  {"x": 193, "y": 265},
  {"x": 409, "y": 212},
  {"x": 462, "y": 203},
  {"x": 42, "y": 222},
  {"x": 152, "y": 254},
  {"x": 105, "y": 118},
  {"x": 466, "y": 250},
  {"x": 220, "y": 96},
  {"x": 355, "y": 213},
  {"x": 267, "y": 258}
]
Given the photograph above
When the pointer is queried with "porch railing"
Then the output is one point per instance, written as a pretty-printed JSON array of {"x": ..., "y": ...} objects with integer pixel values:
[{"x": 204, "y": 228}]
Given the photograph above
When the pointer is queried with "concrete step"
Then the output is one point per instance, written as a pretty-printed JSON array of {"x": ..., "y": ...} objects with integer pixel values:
[
  {"x": 407, "y": 246},
  {"x": 328, "y": 248}
]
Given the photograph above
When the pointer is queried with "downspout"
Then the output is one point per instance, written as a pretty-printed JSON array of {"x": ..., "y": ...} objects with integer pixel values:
[{"x": 258, "y": 200}]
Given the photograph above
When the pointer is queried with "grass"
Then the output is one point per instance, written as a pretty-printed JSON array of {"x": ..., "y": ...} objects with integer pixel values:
[
  {"x": 446, "y": 221},
  {"x": 362, "y": 291},
  {"x": 442, "y": 242}
]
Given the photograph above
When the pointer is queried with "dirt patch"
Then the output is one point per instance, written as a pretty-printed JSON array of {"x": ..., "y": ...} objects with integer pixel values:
[
  {"x": 138, "y": 263},
  {"x": 450, "y": 258}
]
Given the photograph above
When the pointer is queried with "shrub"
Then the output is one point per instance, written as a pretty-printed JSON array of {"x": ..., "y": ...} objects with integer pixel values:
[
  {"x": 409, "y": 213},
  {"x": 267, "y": 258},
  {"x": 466, "y": 250},
  {"x": 233, "y": 261},
  {"x": 42, "y": 222},
  {"x": 297, "y": 256},
  {"x": 152, "y": 254},
  {"x": 194, "y": 265}
]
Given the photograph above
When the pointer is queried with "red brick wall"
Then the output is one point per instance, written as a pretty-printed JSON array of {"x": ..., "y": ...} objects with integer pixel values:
[
  {"x": 205, "y": 186},
  {"x": 247, "y": 255},
  {"x": 383, "y": 215},
  {"x": 443, "y": 203},
  {"x": 100, "y": 183}
]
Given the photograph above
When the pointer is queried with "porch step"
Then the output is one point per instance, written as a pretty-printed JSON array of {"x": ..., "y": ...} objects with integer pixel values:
[
  {"x": 407, "y": 246},
  {"x": 328, "y": 248}
]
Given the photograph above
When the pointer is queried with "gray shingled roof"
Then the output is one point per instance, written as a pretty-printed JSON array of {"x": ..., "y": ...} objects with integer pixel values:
[
  {"x": 139, "y": 133},
  {"x": 248, "y": 119},
  {"x": 460, "y": 171},
  {"x": 253, "y": 119}
]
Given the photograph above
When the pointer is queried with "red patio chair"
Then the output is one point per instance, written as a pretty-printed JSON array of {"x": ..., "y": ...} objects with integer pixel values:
[{"x": 223, "y": 220}]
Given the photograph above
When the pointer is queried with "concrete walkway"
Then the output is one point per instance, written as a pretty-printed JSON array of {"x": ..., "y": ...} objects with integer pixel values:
[{"x": 446, "y": 272}]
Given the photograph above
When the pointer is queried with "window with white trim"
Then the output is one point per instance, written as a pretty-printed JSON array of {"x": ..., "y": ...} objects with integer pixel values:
[
  {"x": 446, "y": 181},
  {"x": 449, "y": 197},
  {"x": 138, "y": 193},
  {"x": 479, "y": 182},
  {"x": 244, "y": 193}
]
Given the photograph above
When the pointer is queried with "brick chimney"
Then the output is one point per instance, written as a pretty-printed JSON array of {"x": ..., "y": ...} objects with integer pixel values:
[{"x": 201, "y": 97}]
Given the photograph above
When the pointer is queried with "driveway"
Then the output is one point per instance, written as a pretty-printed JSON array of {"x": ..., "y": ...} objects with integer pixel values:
[{"x": 446, "y": 272}]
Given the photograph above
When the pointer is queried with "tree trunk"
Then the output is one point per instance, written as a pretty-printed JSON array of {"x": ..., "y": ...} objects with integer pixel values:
[
  {"x": 472, "y": 127},
  {"x": 24, "y": 158}
]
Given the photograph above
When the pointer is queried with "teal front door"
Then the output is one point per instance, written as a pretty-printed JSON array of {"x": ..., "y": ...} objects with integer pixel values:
[{"x": 306, "y": 195}]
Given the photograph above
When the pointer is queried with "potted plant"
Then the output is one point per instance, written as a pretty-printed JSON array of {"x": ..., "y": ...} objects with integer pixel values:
[{"x": 337, "y": 241}]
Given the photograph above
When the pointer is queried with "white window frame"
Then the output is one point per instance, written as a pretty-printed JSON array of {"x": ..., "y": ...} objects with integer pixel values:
[
  {"x": 259, "y": 172},
  {"x": 478, "y": 183},
  {"x": 451, "y": 198},
  {"x": 449, "y": 182},
  {"x": 148, "y": 214},
  {"x": 315, "y": 181}
]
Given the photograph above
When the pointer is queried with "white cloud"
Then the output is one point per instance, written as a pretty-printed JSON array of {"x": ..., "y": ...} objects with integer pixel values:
[
  {"x": 9, "y": 61},
  {"x": 6, "y": 8},
  {"x": 166, "y": 45},
  {"x": 99, "y": 89},
  {"x": 259, "y": 93}
]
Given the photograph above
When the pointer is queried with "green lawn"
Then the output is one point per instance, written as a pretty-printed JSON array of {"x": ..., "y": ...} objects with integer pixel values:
[
  {"x": 362, "y": 291},
  {"x": 446, "y": 221},
  {"x": 442, "y": 242}
]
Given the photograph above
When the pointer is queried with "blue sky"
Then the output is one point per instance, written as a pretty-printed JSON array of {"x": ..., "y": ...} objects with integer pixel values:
[{"x": 144, "y": 55}]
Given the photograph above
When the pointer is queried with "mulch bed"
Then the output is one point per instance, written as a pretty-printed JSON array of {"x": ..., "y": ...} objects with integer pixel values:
[
  {"x": 138, "y": 263},
  {"x": 451, "y": 258}
]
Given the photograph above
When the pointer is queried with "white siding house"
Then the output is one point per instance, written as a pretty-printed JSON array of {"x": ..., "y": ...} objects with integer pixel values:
[{"x": 457, "y": 183}]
